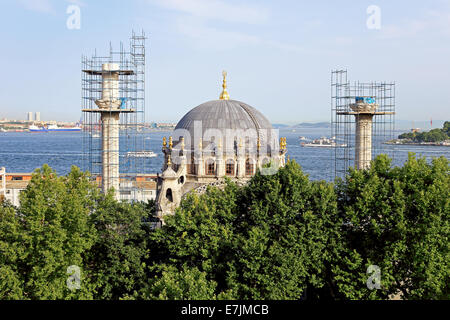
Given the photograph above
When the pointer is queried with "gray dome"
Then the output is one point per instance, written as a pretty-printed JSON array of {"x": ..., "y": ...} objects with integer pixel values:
[{"x": 226, "y": 114}]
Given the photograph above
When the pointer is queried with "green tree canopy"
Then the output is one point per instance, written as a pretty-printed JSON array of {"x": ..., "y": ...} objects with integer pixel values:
[
  {"x": 397, "y": 219},
  {"x": 267, "y": 240},
  {"x": 280, "y": 236},
  {"x": 117, "y": 259},
  {"x": 64, "y": 221},
  {"x": 47, "y": 234},
  {"x": 434, "y": 135}
]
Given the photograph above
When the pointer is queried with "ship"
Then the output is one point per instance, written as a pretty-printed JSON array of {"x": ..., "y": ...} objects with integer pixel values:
[
  {"x": 141, "y": 154},
  {"x": 53, "y": 128},
  {"x": 323, "y": 142}
]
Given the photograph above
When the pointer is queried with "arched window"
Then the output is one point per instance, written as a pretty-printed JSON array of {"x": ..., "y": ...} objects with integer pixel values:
[
  {"x": 191, "y": 165},
  {"x": 249, "y": 167},
  {"x": 210, "y": 167},
  {"x": 169, "y": 195},
  {"x": 229, "y": 167}
]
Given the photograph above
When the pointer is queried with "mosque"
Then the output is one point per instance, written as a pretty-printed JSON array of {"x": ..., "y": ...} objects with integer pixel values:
[{"x": 217, "y": 139}]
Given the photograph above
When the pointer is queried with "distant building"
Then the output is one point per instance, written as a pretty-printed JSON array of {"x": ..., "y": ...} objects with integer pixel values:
[
  {"x": 14, "y": 183},
  {"x": 37, "y": 116},
  {"x": 139, "y": 188},
  {"x": 2, "y": 183},
  {"x": 11, "y": 184},
  {"x": 30, "y": 116}
]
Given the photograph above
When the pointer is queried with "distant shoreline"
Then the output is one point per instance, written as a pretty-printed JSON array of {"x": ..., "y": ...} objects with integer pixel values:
[{"x": 425, "y": 144}]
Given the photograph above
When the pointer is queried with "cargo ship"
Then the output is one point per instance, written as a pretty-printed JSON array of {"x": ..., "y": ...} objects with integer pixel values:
[{"x": 53, "y": 128}]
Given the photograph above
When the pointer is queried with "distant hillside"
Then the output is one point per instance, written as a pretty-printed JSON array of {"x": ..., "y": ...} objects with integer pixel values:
[
  {"x": 435, "y": 135},
  {"x": 399, "y": 124},
  {"x": 313, "y": 125},
  {"x": 279, "y": 126}
]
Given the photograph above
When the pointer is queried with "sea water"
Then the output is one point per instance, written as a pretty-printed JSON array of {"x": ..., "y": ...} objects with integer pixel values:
[{"x": 23, "y": 151}]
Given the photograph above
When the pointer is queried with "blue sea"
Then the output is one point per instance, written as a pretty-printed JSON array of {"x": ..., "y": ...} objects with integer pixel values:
[{"x": 24, "y": 151}]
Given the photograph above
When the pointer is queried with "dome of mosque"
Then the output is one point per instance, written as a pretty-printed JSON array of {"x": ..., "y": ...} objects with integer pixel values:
[{"x": 227, "y": 116}]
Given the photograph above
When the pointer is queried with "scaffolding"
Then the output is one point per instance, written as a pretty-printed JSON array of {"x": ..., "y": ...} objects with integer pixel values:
[
  {"x": 349, "y": 123},
  {"x": 113, "y": 108}
]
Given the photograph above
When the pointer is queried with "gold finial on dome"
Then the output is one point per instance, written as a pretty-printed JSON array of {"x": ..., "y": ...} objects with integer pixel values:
[
  {"x": 224, "y": 95},
  {"x": 283, "y": 144},
  {"x": 169, "y": 161},
  {"x": 170, "y": 142},
  {"x": 164, "y": 142}
]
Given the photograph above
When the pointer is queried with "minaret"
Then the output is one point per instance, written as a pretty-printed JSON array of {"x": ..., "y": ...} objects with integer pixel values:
[
  {"x": 110, "y": 127},
  {"x": 110, "y": 106},
  {"x": 364, "y": 110}
]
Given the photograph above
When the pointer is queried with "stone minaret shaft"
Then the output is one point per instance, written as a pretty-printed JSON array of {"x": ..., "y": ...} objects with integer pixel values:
[
  {"x": 363, "y": 147},
  {"x": 364, "y": 113},
  {"x": 108, "y": 104}
]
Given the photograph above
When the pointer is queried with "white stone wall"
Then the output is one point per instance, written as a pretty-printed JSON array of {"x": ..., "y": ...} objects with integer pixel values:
[
  {"x": 12, "y": 195},
  {"x": 3, "y": 181},
  {"x": 138, "y": 195}
]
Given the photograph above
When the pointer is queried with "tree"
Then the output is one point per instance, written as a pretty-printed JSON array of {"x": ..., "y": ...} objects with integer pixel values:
[
  {"x": 187, "y": 284},
  {"x": 49, "y": 233},
  {"x": 398, "y": 220},
  {"x": 11, "y": 252},
  {"x": 65, "y": 222},
  {"x": 267, "y": 240},
  {"x": 447, "y": 128},
  {"x": 435, "y": 135},
  {"x": 285, "y": 226},
  {"x": 280, "y": 236},
  {"x": 200, "y": 235},
  {"x": 117, "y": 259}
]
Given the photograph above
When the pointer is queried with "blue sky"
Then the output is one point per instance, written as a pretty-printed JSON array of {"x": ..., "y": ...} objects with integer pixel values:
[{"x": 278, "y": 54}]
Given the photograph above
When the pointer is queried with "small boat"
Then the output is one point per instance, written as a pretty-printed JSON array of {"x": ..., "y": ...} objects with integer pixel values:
[
  {"x": 141, "y": 154},
  {"x": 323, "y": 142}
]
